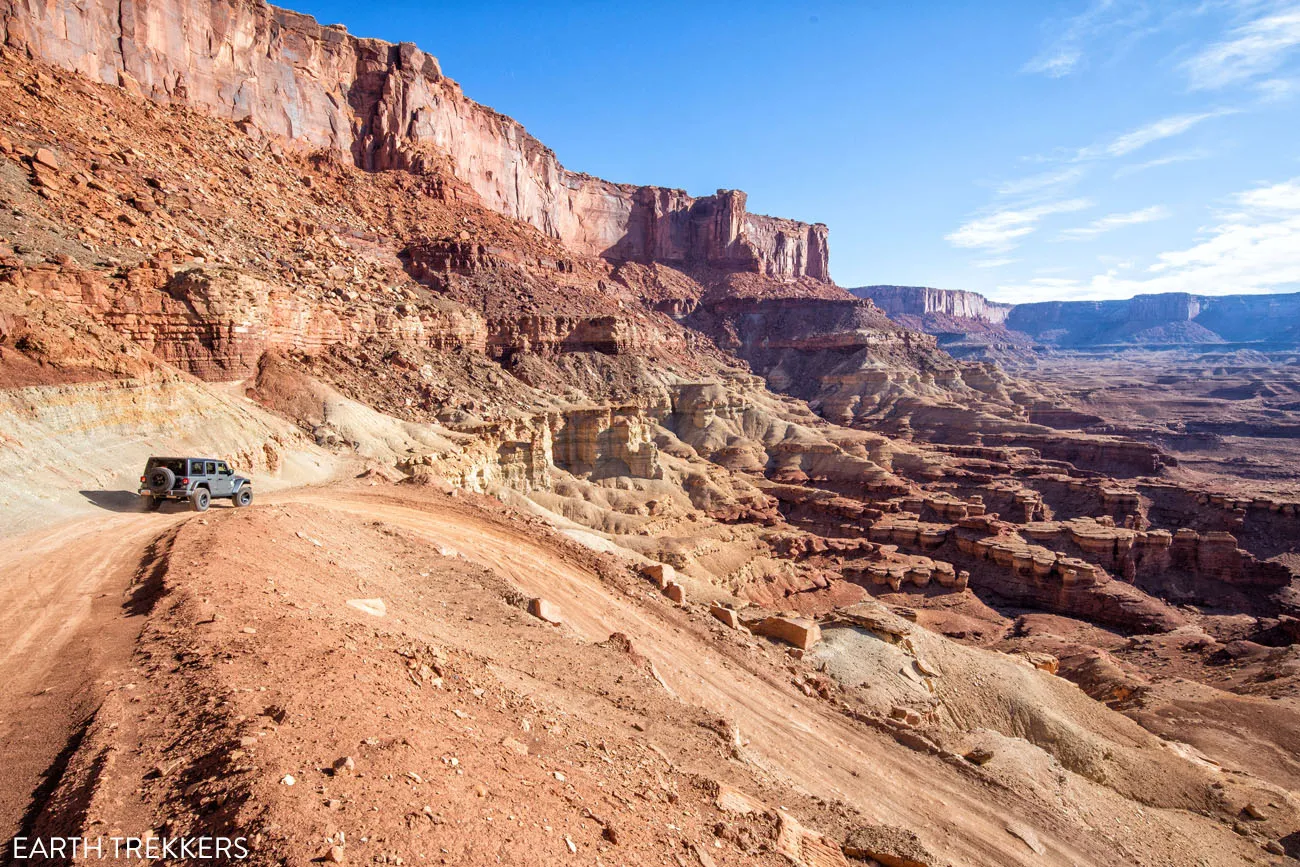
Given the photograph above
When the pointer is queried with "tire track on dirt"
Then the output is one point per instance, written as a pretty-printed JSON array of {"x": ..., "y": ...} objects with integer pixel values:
[{"x": 68, "y": 626}]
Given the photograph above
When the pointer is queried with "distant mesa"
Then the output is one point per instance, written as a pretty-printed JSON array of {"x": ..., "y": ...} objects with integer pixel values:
[{"x": 968, "y": 324}]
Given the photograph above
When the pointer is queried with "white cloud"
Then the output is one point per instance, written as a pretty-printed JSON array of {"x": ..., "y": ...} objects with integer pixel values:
[
  {"x": 996, "y": 231},
  {"x": 1110, "y": 222},
  {"x": 1134, "y": 140},
  {"x": 1278, "y": 198},
  {"x": 993, "y": 263},
  {"x": 1183, "y": 157},
  {"x": 1253, "y": 49},
  {"x": 1253, "y": 249}
]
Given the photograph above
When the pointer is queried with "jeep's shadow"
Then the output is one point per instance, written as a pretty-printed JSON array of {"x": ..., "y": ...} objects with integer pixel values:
[{"x": 115, "y": 501}]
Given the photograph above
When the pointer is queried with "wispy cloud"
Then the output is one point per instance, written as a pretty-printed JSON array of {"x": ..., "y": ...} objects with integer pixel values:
[
  {"x": 1058, "y": 62},
  {"x": 1111, "y": 222},
  {"x": 997, "y": 231},
  {"x": 1170, "y": 159},
  {"x": 1040, "y": 182},
  {"x": 993, "y": 263},
  {"x": 1277, "y": 89},
  {"x": 1253, "y": 248},
  {"x": 1065, "y": 52},
  {"x": 1251, "y": 50},
  {"x": 1134, "y": 140}
]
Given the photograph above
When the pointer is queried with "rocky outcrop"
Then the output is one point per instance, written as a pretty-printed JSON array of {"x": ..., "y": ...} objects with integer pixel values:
[
  {"x": 856, "y": 367},
  {"x": 603, "y": 442},
  {"x": 217, "y": 322},
  {"x": 390, "y": 107},
  {"x": 1114, "y": 455},
  {"x": 1012, "y": 568}
]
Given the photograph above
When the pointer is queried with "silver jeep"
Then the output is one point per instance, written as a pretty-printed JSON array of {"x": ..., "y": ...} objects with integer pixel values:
[{"x": 197, "y": 480}]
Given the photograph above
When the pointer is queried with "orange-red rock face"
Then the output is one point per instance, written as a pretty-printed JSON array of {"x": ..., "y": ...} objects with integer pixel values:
[
  {"x": 389, "y": 107},
  {"x": 217, "y": 324}
]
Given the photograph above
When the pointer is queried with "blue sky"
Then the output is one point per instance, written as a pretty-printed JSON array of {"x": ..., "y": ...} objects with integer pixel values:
[{"x": 1027, "y": 150}]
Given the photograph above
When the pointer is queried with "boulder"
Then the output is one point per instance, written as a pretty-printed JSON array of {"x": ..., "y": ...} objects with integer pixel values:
[
  {"x": 727, "y": 615},
  {"x": 675, "y": 592},
  {"x": 46, "y": 157},
  {"x": 545, "y": 610},
  {"x": 798, "y": 631},
  {"x": 660, "y": 573},
  {"x": 890, "y": 846}
]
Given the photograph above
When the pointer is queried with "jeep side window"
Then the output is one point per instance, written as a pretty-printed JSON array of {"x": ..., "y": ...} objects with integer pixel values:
[
  {"x": 223, "y": 469},
  {"x": 212, "y": 468},
  {"x": 196, "y": 468}
]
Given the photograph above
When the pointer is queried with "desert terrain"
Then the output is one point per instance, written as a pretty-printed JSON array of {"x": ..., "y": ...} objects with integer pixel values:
[{"x": 593, "y": 523}]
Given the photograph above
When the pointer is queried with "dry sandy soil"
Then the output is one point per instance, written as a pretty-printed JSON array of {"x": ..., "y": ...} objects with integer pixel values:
[{"x": 477, "y": 731}]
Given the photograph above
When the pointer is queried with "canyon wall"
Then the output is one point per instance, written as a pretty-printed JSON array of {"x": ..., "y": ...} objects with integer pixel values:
[
  {"x": 924, "y": 301},
  {"x": 389, "y": 106}
]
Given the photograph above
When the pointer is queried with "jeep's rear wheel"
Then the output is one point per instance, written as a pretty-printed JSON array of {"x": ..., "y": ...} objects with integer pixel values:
[
  {"x": 200, "y": 499},
  {"x": 160, "y": 480},
  {"x": 243, "y": 497}
]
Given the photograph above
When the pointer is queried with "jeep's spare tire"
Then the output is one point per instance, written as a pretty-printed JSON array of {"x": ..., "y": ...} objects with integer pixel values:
[{"x": 160, "y": 480}]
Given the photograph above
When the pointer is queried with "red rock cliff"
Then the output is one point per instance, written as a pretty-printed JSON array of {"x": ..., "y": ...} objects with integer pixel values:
[{"x": 388, "y": 107}]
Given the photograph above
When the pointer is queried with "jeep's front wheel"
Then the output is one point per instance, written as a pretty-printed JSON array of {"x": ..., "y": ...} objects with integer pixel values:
[
  {"x": 243, "y": 497},
  {"x": 200, "y": 499}
]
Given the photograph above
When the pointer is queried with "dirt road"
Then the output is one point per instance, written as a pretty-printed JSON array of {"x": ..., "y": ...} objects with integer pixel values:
[{"x": 67, "y": 628}]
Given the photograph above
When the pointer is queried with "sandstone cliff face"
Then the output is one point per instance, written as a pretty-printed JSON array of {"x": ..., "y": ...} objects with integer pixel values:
[
  {"x": 924, "y": 301},
  {"x": 389, "y": 107}
]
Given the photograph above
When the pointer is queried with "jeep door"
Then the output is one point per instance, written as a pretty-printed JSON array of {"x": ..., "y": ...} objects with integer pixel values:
[
  {"x": 223, "y": 483},
  {"x": 211, "y": 479}
]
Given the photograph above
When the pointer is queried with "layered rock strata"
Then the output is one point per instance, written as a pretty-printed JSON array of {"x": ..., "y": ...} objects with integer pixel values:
[{"x": 389, "y": 106}]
